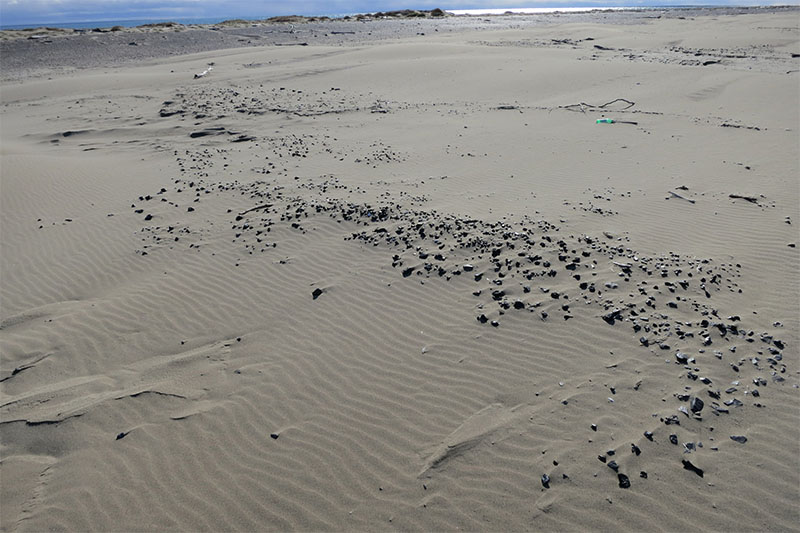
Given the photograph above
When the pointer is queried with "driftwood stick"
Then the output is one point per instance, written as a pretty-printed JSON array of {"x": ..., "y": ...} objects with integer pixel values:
[
  {"x": 584, "y": 106},
  {"x": 630, "y": 104},
  {"x": 256, "y": 208},
  {"x": 676, "y": 195},
  {"x": 751, "y": 199}
]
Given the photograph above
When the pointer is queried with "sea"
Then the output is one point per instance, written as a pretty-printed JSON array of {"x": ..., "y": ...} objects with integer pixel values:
[{"x": 107, "y": 23}]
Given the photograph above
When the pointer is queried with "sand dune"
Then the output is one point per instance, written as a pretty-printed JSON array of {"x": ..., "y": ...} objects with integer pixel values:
[{"x": 408, "y": 285}]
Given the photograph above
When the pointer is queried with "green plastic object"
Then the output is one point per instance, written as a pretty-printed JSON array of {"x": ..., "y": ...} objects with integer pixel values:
[{"x": 605, "y": 120}]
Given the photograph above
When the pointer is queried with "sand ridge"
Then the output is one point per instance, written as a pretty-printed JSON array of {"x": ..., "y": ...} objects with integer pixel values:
[{"x": 412, "y": 285}]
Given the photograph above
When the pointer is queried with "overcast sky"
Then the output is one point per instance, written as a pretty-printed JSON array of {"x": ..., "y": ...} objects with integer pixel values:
[{"x": 40, "y": 11}]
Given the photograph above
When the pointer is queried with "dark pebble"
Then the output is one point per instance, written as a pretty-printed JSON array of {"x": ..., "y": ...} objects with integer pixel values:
[
  {"x": 317, "y": 293},
  {"x": 673, "y": 439},
  {"x": 643, "y": 474},
  {"x": 741, "y": 439},
  {"x": 546, "y": 481},
  {"x": 624, "y": 482},
  {"x": 697, "y": 405},
  {"x": 274, "y": 435},
  {"x": 687, "y": 465},
  {"x": 122, "y": 435}
]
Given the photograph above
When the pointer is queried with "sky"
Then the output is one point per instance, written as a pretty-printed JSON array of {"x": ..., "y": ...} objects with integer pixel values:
[{"x": 14, "y": 12}]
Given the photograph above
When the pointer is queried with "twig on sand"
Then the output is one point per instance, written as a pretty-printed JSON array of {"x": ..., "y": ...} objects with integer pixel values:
[
  {"x": 256, "y": 208},
  {"x": 584, "y": 106},
  {"x": 630, "y": 104},
  {"x": 751, "y": 199},
  {"x": 676, "y": 195}
]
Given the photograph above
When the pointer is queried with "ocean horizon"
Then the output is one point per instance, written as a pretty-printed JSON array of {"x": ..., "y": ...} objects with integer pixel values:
[{"x": 107, "y": 23}]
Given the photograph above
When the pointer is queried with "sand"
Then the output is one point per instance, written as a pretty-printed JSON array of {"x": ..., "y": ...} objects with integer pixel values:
[{"x": 408, "y": 284}]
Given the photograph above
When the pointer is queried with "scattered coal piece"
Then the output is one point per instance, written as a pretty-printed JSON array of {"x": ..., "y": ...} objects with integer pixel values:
[
  {"x": 741, "y": 439},
  {"x": 643, "y": 474},
  {"x": 648, "y": 435},
  {"x": 613, "y": 316},
  {"x": 124, "y": 433},
  {"x": 546, "y": 481},
  {"x": 624, "y": 481},
  {"x": 696, "y": 405},
  {"x": 274, "y": 435},
  {"x": 636, "y": 450},
  {"x": 687, "y": 465},
  {"x": 317, "y": 293},
  {"x": 673, "y": 439}
]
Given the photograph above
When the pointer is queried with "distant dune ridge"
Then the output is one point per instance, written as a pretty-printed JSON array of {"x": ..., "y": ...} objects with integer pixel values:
[{"x": 393, "y": 274}]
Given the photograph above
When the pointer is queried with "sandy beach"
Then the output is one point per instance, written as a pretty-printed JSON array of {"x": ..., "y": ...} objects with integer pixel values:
[{"x": 470, "y": 273}]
